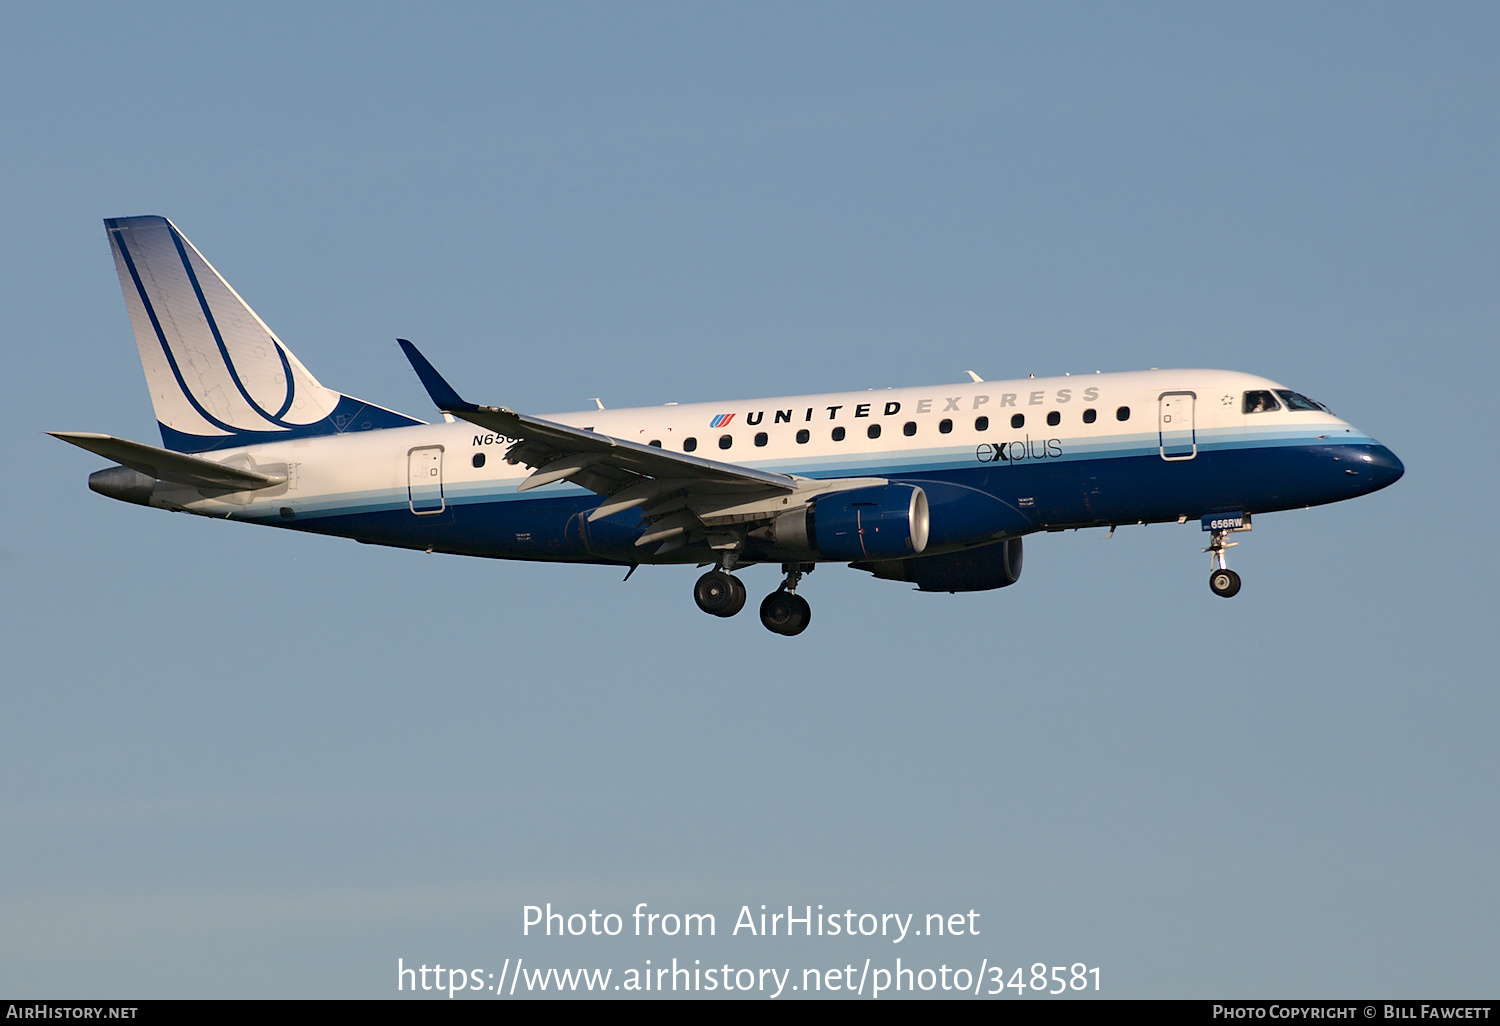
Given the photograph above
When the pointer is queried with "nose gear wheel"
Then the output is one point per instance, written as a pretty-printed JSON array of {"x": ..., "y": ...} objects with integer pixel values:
[{"x": 1225, "y": 583}]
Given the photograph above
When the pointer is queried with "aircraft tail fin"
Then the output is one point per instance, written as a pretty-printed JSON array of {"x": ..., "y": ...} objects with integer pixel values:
[{"x": 219, "y": 378}]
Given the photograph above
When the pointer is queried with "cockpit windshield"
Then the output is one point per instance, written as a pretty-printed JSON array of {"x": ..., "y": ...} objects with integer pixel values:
[
  {"x": 1298, "y": 401},
  {"x": 1260, "y": 402}
]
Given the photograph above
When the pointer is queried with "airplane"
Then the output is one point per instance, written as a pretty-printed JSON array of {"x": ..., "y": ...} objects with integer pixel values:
[{"x": 936, "y": 486}]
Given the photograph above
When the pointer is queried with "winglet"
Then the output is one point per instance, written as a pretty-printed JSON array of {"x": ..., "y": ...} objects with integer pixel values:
[{"x": 441, "y": 392}]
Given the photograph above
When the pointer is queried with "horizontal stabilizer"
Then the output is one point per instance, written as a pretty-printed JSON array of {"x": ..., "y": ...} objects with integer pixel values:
[{"x": 166, "y": 465}]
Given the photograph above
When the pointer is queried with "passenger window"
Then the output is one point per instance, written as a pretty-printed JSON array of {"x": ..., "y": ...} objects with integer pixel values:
[
  {"x": 1089, "y": 416},
  {"x": 1123, "y": 413},
  {"x": 981, "y": 423},
  {"x": 760, "y": 438},
  {"x": 838, "y": 434},
  {"x": 945, "y": 426},
  {"x": 1298, "y": 401},
  {"x": 725, "y": 441},
  {"x": 689, "y": 444},
  {"x": 655, "y": 443},
  {"x": 873, "y": 431},
  {"x": 1260, "y": 402},
  {"x": 803, "y": 436},
  {"x": 478, "y": 459},
  {"x": 909, "y": 429},
  {"x": 1018, "y": 421},
  {"x": 1054, "y": 418}
]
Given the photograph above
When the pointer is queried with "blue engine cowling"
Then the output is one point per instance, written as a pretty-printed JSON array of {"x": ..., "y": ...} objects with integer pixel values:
[
  {"x": 883, "y": 522},
  {"x": 981, "y": 569}
]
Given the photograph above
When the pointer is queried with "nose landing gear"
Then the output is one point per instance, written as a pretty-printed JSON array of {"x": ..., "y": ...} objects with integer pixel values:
[{"x": 1223, "y": 581}]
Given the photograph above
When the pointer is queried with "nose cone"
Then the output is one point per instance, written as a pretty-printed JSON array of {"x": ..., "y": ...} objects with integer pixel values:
[
  {"x": 1359, "y": 468},
  {"x": 1382, "y": 467}
]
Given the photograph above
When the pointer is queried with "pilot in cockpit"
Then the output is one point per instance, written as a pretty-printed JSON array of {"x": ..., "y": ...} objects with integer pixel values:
[{"x": 1260, "y": 402}]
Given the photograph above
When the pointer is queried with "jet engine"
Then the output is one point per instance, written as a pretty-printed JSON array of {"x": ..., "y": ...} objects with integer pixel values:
[
  {"x": 881, "y": 522},
  {"x": 981, "y": 569}
]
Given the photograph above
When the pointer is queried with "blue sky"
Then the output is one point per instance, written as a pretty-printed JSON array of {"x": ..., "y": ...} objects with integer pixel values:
[{"x": 245, "y": 763}]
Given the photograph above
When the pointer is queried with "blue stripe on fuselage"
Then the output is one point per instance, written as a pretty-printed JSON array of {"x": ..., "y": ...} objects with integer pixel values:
[{"x": 970, "y": 502}]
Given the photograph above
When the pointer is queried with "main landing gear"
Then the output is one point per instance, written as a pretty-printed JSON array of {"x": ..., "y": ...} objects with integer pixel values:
[
  {"x": 1223, "y": 581},
  {"x": 783, "y": 612},
  {"x": 719, "y": 593}
]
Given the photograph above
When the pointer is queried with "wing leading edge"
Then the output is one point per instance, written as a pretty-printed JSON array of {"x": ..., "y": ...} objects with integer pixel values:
[{"x": 684, "y": 498}]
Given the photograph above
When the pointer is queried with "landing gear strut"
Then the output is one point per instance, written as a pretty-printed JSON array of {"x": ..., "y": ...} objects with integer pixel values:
[
  {"x": 784, "y": 611},
  {"x": 719, "y": 593},
  {"x": 1223, "y": 581}
]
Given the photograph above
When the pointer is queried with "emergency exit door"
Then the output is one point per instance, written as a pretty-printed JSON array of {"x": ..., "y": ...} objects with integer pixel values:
[
  {"x": 424, "y": 476},
  {"x": 1176, "y": 436}
]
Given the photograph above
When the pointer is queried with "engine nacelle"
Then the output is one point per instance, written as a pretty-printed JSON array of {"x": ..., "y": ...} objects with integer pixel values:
[
  {"x": 884, "y": 522},
  {"x": 981, "y": 569}
]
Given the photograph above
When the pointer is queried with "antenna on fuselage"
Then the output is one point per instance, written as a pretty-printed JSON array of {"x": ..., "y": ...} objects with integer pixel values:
[{"x": 974, "y": 377}]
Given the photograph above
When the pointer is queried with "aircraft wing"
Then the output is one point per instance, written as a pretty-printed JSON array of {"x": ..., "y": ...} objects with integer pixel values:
[{"x": 681, "y": 493}]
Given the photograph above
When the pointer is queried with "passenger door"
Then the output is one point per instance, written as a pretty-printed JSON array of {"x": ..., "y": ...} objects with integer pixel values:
[
  {"x": 425, "y": 480},
  {"x": 1176, "y": 436}
]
